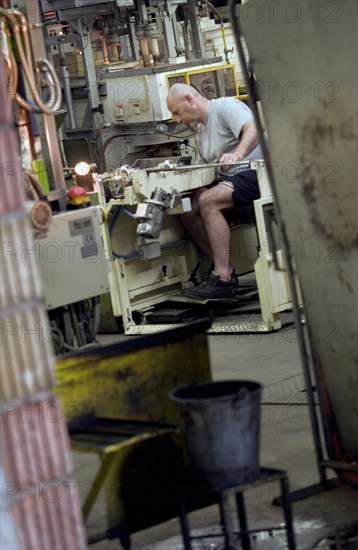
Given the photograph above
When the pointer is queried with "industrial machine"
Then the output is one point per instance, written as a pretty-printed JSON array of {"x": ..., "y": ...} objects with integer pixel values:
[
  {"x": 115, "y": 64},
  {"x": 116, "y": 61},
  {"x": 133, "y": 232},
  {"x": 117, "y": 405},
  {"x": 72, "y": 246},
  {"x": 152, "y": 260}
]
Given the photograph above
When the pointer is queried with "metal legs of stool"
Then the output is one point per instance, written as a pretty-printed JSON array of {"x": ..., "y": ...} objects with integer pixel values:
[
  {"x": 245, "y": 537},
  {"x": 184, "y": 525},
  {"x": 227, "y": 527},
  {"x": 244, "y": 534},
  {"x": 226, "y": 523},
  {"x": 222, "y": 498},
  {"x": 288, "y": 514}
]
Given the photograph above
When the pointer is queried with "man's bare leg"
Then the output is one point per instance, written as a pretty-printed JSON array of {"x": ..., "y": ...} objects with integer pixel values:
[
  {"x": 193, "y": 223},
  {"x": 211, "y": 203}
]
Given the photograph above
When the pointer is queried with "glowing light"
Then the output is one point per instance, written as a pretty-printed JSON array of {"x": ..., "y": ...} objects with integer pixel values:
[{"x": 83, "y": 168}]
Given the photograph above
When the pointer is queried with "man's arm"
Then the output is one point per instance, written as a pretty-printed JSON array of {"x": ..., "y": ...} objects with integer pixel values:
[{"x": 248, "y": 140}]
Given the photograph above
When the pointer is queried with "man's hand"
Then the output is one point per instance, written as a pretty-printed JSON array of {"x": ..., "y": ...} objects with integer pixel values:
[{"x": 233, "y": 156}]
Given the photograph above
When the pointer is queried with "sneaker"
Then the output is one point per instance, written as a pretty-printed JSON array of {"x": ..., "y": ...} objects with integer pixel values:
[
  {"x": 207, "y": 275},
  {"x": 235, "y": 278},
  {"x": 214, "y": 288}
]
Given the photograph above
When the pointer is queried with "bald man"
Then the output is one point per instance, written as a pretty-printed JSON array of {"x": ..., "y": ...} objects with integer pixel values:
[{"x": 226, "y": 133}]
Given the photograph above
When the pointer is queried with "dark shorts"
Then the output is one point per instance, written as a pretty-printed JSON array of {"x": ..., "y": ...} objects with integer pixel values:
[{"x": 246, "y": 190}]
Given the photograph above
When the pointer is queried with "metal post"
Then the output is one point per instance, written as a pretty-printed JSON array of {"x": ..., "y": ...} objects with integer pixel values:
[
  {"x": 132, "y": 40},
  {"x": 197, "y": 37},
  {"x": 285, "y": 244},
  {"x": 170, "y": 31},
  {"x": 67, "y": 86},
  {"x": 90, "y": 71}
]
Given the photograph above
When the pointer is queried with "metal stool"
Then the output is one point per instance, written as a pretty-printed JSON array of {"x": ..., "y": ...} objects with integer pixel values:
[{"x": 221, "y": 496}]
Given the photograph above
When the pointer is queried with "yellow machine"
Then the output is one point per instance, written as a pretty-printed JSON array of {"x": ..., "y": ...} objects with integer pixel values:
[{"x": 116, "y": 401}]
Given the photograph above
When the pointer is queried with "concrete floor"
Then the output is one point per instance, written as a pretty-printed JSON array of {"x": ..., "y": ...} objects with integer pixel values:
[{"x": 321, "y": 521}]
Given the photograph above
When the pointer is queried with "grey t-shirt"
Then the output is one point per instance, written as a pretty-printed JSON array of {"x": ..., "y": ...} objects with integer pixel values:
[{"x": 221, "y": 130}]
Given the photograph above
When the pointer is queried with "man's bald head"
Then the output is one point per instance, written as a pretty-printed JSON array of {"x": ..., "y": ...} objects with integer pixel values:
[
  {"x": 186, "y": 104},
  {"x": 179, "y": 91}
]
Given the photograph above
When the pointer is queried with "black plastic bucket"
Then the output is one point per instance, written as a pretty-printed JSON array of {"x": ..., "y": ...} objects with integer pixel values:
[{"x": 221, "y": 422}]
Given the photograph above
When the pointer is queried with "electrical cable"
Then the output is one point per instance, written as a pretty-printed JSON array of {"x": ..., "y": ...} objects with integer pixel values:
[
  {"x": 163, "y": 129},
  {"x": 128, "y": 212},
  {"x": 112, "y": 138},
  {"x": 50, "y": 80},
  {"x": 177, "y": 134},
  {"x": 222, "y": 29},
  {"x": 126, "y": 256},
  {"x": 191, "y": 147},
  {"x": 95, "y": 317},
  {"x": 116, "y": 215},
  {"x": 110, "y": 230},
  {"x": 149, "y": 133}
]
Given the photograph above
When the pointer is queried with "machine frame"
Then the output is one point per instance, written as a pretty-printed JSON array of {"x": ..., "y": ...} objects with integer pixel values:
[{"x": 130, "y": 293}]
